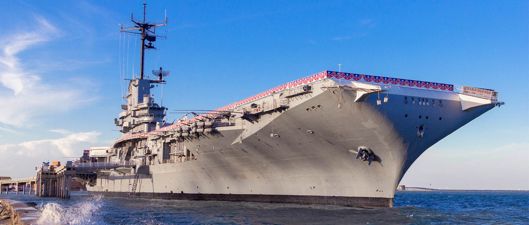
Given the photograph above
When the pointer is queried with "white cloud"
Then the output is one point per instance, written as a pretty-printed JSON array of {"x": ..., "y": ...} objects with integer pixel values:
[
  {"x": 19, "y": 159},
  {"x": 24, "y": 93},
  {"x": 504, "y": 167}
]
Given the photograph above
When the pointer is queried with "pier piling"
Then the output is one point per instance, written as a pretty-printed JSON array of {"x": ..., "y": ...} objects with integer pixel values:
[{"x": 55, "y": 182}]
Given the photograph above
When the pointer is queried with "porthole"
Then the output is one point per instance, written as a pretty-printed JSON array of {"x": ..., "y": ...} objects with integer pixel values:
[
  {"x": 440, "y": 118},
  {"x": 420, "y": 117},
  {"x": 427, "y": 117},
  {"x": 405, "y": 115}
]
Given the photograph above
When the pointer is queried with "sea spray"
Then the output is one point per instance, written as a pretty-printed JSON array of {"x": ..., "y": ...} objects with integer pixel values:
[{"x": 79, "y": 213}]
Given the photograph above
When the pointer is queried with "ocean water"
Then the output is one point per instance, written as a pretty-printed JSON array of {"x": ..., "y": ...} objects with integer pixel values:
[{"x": 437, "y": 207}]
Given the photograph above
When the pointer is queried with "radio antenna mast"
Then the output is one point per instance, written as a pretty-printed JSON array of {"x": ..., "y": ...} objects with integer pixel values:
[{"x": 147, "y": 32}]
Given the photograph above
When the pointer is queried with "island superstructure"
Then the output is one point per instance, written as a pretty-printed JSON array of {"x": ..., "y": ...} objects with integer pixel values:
[{"x": 328, "y": 138}]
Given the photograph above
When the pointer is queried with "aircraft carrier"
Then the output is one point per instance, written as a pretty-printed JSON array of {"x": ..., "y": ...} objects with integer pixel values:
[{"x": 328, "y": 138}]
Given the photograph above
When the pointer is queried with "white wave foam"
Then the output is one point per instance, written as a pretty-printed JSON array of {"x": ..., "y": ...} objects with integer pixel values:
[{"x": 80, "y": 213}]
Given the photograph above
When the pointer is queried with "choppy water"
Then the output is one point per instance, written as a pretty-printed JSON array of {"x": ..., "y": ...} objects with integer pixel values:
[{"x": 410, "y": 208}]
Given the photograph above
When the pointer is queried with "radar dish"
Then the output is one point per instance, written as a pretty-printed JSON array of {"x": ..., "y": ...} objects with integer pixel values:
[{"x": 160, "y": 73}]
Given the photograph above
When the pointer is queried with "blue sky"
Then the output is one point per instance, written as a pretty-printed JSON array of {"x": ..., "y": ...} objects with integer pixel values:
[{"x": 61, "y": 69}]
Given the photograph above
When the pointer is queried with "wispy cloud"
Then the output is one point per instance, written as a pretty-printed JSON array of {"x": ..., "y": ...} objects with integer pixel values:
[
  {"x": 12, "y": 75},
  {"x": 231, "y": 19},
  {"x": 312, "y": 42},
  {"x": 362, "y": 29},
  {"x": 341, "y": 38},
  {"x": 25, "y": 94},
  {"x": 60, "y": 131},
  {"x": 349, "y": 37},
  {"x": 369, "y": 23},
  {"x": 9, "y": 130},
  {"x": 69, "y": 65}
]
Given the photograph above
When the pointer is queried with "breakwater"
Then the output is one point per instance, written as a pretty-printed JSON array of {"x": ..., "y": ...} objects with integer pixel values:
[{"x": 19, "y": 213}]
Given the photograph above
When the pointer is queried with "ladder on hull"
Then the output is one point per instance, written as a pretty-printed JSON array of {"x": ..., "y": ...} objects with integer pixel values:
[{"x": 134, "y": 184}]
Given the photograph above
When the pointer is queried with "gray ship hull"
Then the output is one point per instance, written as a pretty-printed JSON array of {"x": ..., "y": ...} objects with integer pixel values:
[{"x": 306, "y": 154}]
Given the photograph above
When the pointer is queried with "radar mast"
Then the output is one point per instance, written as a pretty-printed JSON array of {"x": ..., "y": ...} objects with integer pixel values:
[{"x": 147, "y": 32}]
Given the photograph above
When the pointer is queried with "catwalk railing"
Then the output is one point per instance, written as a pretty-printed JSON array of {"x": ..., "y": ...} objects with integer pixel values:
[{"x": 92, "y": 166}]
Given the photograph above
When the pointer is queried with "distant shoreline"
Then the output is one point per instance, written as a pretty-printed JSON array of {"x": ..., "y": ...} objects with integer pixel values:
[{"x": 419, "y": 189}]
